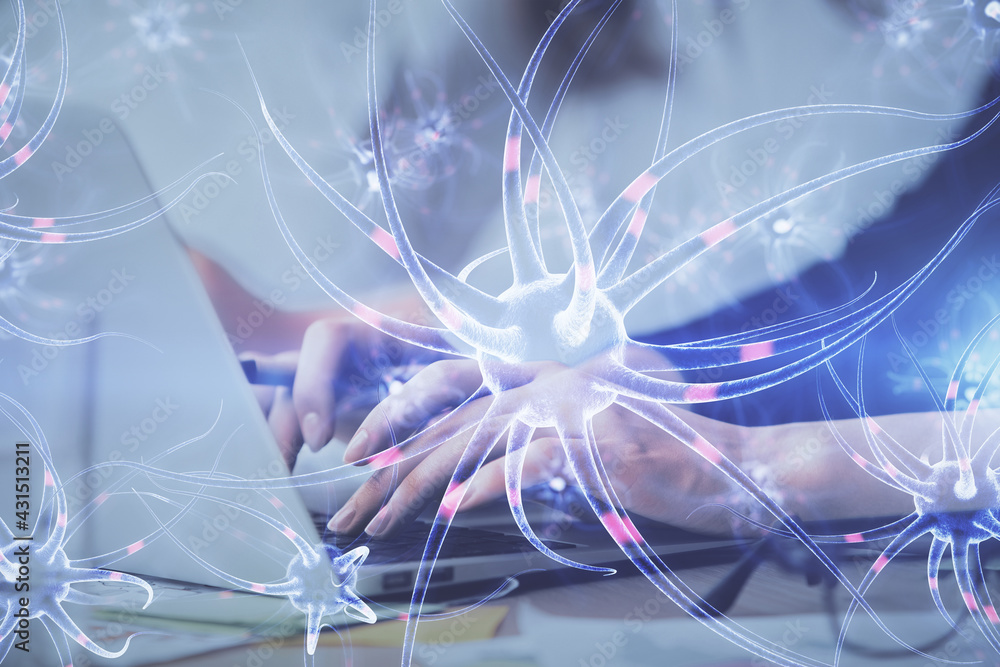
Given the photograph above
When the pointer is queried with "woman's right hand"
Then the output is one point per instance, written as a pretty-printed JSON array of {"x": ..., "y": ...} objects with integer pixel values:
[{"x": 339, "y": 358}]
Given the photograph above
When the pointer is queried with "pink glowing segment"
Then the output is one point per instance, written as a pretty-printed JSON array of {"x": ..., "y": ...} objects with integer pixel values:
[
  {"x": 701, "y": 393},
  {"x": 622, "y": 531},
  {"x": 22, "y": 155},
  {"x": 632, "y": 530},
  {"x": 452, "y": 499},
  {"x": 116, "y": 576},
  {"x": 451, "y": 318},
  {"x": 880, "y": 564},
  {"x": 513, "y": 497},
  {"x": 135, "y": 546},
  {"x": 387, "y": 458},
  {"x": 970, "y": 600},
  {"x": 289, "y": 533},
  {"x": 991, "y": 614},
  {"x": 4, "y": 92},
  {"x": 102, "y": 498},
  {"x": 952, "y": 390},
  {"x": 276, "y": 502},
  {"x": 860, "y": 460},
  {"x": 367, "y": 315},
  {"x": 891, "y": 469},
  {"x": 873, "y": 425},
  {"x": 854, "y": 538},
  {"x": 705, "y": 449},
  {"x": 5, "y": 130},
  {"x": 61, "y": 520},
  {"x": 586, "y": 277},
  {"x": 755, "y": 351},
  {"x": 49, "y": 481},
  {"x": 639, "y": 187},
  {"x": 638, "y": 222},
  {"x": 932, "y": 583},
  {"x": 385, "y": 241},
  {"x": 964, "y": 464},
  {"x": 42, "y": 223},
  {"x": 512, "y": 156},
  {"x": 717, "y": 232},
  {"x": 257, "y": 588},
  {"x": 532, "y": 189}
]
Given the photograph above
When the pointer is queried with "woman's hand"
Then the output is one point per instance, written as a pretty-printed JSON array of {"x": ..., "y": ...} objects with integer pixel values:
[
  {"x": 652, "y": 473},
  {"x": 338, "y": 372}
]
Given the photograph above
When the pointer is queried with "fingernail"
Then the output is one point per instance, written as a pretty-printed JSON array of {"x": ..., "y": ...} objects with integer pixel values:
[
  {"x": 356, "y": 447},
  {"x": 312, "y": 431},
  {"x": 470, "y": 499},
  {"x": 379, "y": 524},
  {"x": 342, "y": 519}
]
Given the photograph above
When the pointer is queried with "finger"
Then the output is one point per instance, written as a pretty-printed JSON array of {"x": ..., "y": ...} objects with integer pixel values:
[
  {"x": 264, "y": 396},
  {"x": 284, "y": 425},
  {"x": 268, "y": 370},
  {"x": 271, "y": 370},
  {"x": 383, "y": 483},
  {"x": 429, "y": 479},
  {"x": 543, "y": 461},
  {"x": 320, "y": 363},
  {"x": 358, "y": 511},
  {"x": 442, "y": 385}
]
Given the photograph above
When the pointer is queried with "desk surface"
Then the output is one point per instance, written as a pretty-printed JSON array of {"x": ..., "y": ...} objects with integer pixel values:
[{"x": 625, "y": 621}]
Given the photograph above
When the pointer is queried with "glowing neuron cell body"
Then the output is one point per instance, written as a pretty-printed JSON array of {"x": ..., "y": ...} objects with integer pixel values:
[
  {"x": 51, "y": 573},
  {"x": 320, "y": 582},
  {"x": 159, "y": 25},
  {"x": 939, "y": 40},
  {"x": 956, "y": 498}
]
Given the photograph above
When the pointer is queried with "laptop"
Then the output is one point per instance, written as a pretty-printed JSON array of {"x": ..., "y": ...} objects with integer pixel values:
[
  {"x": 175, "y": 379},
  {"x": 198, "y": 379}
]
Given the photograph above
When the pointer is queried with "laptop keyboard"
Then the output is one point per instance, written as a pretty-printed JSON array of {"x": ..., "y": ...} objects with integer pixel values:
[{"x": 409, "y": 543}]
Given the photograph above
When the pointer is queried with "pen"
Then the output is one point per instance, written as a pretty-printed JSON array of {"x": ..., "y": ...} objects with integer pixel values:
[{"x": 275, "y": 377}]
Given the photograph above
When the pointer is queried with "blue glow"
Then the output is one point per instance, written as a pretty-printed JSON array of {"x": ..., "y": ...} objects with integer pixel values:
[{"x": 956, "y": 497}]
